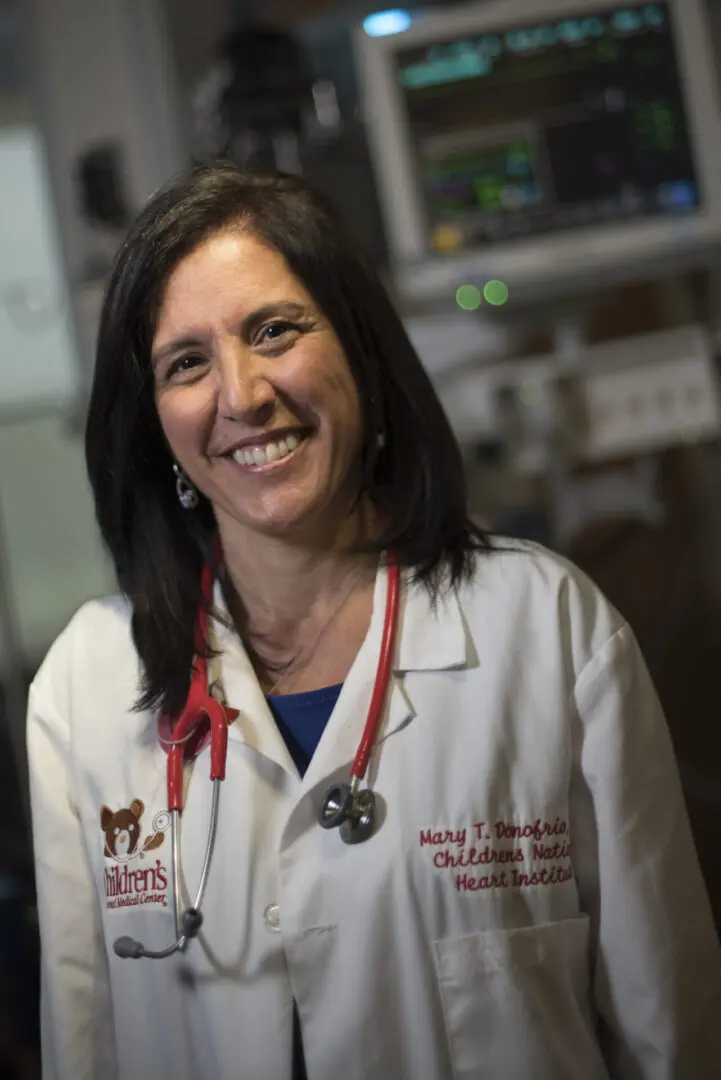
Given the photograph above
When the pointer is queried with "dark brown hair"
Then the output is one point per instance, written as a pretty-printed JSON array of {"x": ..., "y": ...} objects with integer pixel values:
[{"x": 416, "y": 479}]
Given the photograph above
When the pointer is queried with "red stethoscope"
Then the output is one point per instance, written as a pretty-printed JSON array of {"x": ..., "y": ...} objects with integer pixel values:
[{"x": 344, "y": 806}]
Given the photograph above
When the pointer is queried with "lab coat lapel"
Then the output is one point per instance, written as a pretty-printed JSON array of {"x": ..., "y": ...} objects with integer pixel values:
[
  {"x": 255, "y": 725},
  {"x": 339, "y": 741},
  {"x": 433, "y": 633},
  {"x": 431, "y": 637}
]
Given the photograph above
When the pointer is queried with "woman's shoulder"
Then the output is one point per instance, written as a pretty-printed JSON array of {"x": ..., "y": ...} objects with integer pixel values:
[
  {"x": 528, "y": 593},
  {"x": 96, "y": 645},
  {"x": 512, "y": 563}
]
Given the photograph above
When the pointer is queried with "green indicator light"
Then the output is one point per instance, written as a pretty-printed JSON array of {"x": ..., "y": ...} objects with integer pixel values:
[
  {"x": 469, "y": 297},
  {"x": 496, "y": 293}
]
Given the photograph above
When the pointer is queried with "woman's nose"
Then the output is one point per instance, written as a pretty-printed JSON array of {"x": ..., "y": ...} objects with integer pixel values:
[{"x": 244, "y": 390}]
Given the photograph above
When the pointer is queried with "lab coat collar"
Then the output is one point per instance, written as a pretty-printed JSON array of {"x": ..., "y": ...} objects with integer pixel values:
[
  {"x": 432, "y": 633},
  {"x": 431, "y": 637}
]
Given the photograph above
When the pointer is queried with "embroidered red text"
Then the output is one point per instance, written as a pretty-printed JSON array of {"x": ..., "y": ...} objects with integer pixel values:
[
  {"x": 475, "y": 857},
  {"x": 443, "y": 836},
  {"x": 537, "y": 829},
  {"x": 126, "y": 888},
  {"x": 544, "y": 847}
]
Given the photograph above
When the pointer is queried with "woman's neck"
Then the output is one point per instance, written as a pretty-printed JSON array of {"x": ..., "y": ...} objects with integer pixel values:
[
  {"x": 291, "y": 587},
  {"x": 288, "y": 599}
]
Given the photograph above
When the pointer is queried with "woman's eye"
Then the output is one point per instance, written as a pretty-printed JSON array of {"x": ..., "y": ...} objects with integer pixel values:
[
  {"x": 183, "y": 364},
  {"x": 275, "y": 332}
]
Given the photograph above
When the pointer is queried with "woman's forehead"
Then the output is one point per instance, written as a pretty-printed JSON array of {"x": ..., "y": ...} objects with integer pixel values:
[
  {"x": 234, "y": 254},
  {"x": 230, "y": 273}
]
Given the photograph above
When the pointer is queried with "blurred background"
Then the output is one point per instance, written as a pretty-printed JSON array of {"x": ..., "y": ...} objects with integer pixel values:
[{"x": 539, "y": 183}]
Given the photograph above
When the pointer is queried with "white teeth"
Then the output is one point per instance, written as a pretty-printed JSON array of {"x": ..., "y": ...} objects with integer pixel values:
[{"x": 263, "y": 455}]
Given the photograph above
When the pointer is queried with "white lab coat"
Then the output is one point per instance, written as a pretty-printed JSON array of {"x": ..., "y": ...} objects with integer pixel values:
[{"x": 530, "y": 907}]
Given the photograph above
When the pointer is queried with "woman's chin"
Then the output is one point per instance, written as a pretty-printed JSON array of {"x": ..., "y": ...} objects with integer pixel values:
[
  {"x": 294, "y": 519},
  {"x": 282, "y": 521}
]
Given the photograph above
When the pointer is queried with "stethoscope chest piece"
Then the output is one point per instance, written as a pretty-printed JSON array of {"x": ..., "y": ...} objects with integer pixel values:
[
  {"x": 353, "y": 812},
  {"x": 360, "y": 823}
]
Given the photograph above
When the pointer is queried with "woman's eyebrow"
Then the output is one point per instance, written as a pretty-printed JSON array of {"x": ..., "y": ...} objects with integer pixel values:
[{"x": 288, "y": 309}]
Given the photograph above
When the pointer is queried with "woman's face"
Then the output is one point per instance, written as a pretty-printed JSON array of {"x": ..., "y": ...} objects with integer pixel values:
[{"x": 253, "y": 389}]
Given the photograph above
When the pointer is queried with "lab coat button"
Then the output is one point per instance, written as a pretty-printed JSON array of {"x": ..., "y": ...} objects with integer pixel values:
[{"x": 271, "y": 917}]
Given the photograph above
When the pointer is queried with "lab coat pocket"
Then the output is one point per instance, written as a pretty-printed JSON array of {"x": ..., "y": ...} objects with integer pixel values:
[{"x": 516, "y": 1003}]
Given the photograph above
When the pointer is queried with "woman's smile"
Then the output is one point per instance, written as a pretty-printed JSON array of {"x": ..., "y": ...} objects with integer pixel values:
[
  {"x": 271, "y": 454},
  {"x": 252, "y": 384}
]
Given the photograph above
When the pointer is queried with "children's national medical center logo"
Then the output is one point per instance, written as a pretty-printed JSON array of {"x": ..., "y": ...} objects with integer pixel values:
[{"x": 131, "y": 878}]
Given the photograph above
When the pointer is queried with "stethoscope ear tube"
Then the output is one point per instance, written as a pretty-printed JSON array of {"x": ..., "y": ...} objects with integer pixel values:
[
  {"x": 200, "y": 707},
  {"x": 215, "y": 713},
  {"x": 383, "y": 675},
  {"x": 188, "y": 923}
]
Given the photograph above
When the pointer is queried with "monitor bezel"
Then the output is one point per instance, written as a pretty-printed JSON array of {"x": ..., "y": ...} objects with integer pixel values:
[{"x": 590, "y": 253}]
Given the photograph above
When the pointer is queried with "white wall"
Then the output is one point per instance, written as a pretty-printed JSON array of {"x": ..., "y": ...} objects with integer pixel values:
[
  {"x": 48, "y": 535},
  {"x": 38, "y": 360},
  {"x": 55, "y": 559},
  {"x": 102, "y": 72}
]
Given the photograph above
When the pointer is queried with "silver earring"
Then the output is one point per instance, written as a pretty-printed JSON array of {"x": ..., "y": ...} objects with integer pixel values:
[
  {"x": 187, "y": 495},
  {"x": 381, "y": 439}
]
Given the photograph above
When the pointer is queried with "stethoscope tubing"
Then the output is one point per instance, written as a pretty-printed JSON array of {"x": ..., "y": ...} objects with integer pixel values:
[
  {"x": 128, "y": 947},
  {"x": 202, "y": 706},
  {"x": 382, "y": 679}
]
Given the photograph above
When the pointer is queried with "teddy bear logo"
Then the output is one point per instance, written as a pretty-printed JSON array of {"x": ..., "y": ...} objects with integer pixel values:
[{"x": 122, "y": 831}]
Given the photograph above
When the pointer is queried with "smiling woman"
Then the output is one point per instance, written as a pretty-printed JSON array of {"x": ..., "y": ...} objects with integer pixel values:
[
  {"x": 255, "y": 395},
  {"x": 268, "y": 366},
  {"x": 451, "y": 838}
]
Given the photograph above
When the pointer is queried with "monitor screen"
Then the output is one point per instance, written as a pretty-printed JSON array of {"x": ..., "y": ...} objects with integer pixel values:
[{"x": 540, "y": 128}]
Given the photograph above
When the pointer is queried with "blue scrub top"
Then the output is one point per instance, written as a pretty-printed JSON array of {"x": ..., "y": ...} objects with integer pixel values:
[{"x": 301, "y": 720}]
